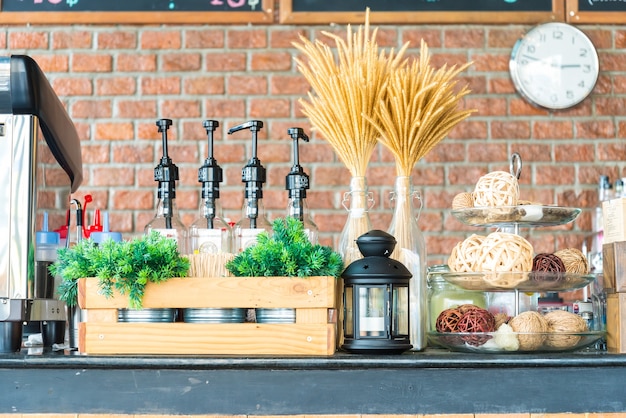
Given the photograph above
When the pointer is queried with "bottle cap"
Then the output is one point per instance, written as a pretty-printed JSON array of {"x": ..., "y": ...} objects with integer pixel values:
[
  {"x": 99, "y": 237},
  {"x": 46, "y": 236}
]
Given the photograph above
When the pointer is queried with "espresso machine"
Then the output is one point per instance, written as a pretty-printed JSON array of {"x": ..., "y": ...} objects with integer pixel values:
[{"x": 40, "y": 166}]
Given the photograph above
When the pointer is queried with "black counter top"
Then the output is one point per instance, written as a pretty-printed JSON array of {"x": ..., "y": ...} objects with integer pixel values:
[{"x": 435, "y": 381}]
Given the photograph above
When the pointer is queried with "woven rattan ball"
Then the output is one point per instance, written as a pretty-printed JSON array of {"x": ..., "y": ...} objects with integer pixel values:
[
  {"x": 531, "y": 327},
  {"x": 448, "y": 320},
  {"x": 501, "y": 318},
  {"x": 463, "y": 256},
  {"x": 574, "y": 261},
  {"x": 497, "y": 188},
  {"x": 563, "y": 322},
  {"x": 462, "y": 201},
  {"x": 548, "y": 263},
  {"x": 504, "y": 252},
  {"x": 477, "y": 320}
]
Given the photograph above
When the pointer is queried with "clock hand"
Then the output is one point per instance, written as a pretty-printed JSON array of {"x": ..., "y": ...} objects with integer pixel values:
[
  {"x": 571, "y": 66},
  {"x": 530, "y": 58}
]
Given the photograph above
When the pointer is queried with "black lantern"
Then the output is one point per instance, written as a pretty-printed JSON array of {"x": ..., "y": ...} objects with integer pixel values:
[{"x": 376, "y": 298}]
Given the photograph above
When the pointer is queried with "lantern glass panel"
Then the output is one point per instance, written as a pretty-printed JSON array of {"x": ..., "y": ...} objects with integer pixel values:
[
  {"x": 372, "y": 302},
  {"x": 348, "y": 328},
  {"x": 400, "y": 314}
]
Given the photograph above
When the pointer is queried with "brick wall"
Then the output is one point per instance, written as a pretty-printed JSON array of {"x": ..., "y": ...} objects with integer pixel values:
[{"x": 117, "y": 80}]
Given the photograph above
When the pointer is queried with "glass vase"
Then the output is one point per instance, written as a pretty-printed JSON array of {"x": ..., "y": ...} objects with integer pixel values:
[
  {"x": 410, "y": 250},
  {"x": 357, "y": 202}
]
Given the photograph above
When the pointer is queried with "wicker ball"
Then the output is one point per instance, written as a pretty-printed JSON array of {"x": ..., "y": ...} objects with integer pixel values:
[
  {"x": 448, "y": 320},
  {"x": 566, "y": 323},
  {"x": 501, "y": 318},
  {"x": 462, "y": 201},
  {"x": 504, "y": 252},
  {"x": 464, "y": 254},
  {"x": 476, "y": 320},
  {"x": 531, "y": 327},
  {"x": 574, "y": 261},
  {"x": 497, "y": 188},
  {"x": 548, "y": 263}
]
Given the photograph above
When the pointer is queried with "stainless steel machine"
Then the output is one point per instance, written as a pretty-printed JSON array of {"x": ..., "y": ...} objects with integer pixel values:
[{"x": 40, "y": 166}]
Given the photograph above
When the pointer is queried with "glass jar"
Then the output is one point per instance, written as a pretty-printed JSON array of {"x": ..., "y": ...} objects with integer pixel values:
[{"x": 443, "y": 295}]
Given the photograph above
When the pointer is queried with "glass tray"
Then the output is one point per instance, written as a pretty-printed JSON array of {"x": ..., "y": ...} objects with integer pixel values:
[
  {"x": 514, "y": 342},
  {"x": 523, "y": 281},
  {"x": 522, "y": 215}
]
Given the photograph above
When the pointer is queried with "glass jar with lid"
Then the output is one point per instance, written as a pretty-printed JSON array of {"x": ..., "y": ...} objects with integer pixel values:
[{"x": 443, "y": 295}]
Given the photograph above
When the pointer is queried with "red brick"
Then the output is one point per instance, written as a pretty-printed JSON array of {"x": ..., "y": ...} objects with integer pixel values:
[
  {"x": 464, "y": 38},
  {"x": 469, "y": 129},
  {"x": 137, "y": 109},
  {"x": 575, "y": 153},
  {"x": 446, "y": 151},
  {"x": 231, "y": 61},
  {"x": 95, "y": 154},
  {"x": 612, "y": 151},
  {"x": 113, "y": 176},
  {"x": 225, "y": 108},
  {"x": 133, "y": 154},
  {"x": 84, "y": 63},
  {"x": 117, "y": 40},
  {"x": 503, "y": 38},
  {"x": 554, "y": 174},
  {"x": 29, "y": 40},
  {"x": 161, "y": 39},
  {"x": 91, "y": 109},
  {"x": 553, "y": 129},
  {"x": 595, "y": 129},
  {"x": 238, "y": 85},
  {"x": 502, "y": 85},
  {"x": 136, "y": 62},
  {"x": 289, "y": 84},
  {"x": 331, "y": 176},
  {"x": 71, "y": 40},
  {"x": 531, "y": 151},
  {"x": 440, "y": 59},
  {"x": 116, "y": 86},
  {"x": 113, "y": 131},
  {"x": 72, "y": 86},
  {"x": 601, "y": 38},
  {"x": 204, "y": 85},
  {"x": 270, "y": 61},
  {"x": 3, "y": 40},
  {"x": 184, "y": 153},
  {"x": 57, "y": 63},
  {"x": 283, "y": 38},
  {"x": 205, "y": 38},
  {"x": 160, "y": 85},
  {"x": 520, "y": 107},
  {"x": 132, "y": 199},
  {"x": 269, "y": 108},
  {"x": 247, "y": 39},
  {"x": 181, "y": 62},
  {"x": 486, "y": 152},
  {"x": 432, "y": 37},
  {"x": 490, "y": 62},
  {"x": 174, "y": 109}
]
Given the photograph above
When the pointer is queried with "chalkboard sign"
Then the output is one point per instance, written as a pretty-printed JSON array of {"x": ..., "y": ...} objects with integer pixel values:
[
  {"x": 421, "y": 11},
  {"x": 596, "y": 11},
  {"x": 135, "y": 11}
]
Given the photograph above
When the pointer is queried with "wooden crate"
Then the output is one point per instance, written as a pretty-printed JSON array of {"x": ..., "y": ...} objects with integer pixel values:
[
  {"x": 616, "y": 323},
  {"x": 614, "y": 266},
  {"x": 316, "y": 300}
]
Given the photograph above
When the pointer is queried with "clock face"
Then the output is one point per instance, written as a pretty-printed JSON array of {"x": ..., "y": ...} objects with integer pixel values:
[{"x": 555, "y": 65}]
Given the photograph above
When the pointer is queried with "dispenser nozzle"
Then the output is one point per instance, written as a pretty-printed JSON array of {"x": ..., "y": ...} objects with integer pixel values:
[
  {"x": 166, "y": 173},
  {"x": 297, "y": 181},
  {"x": 210, "y": 175},
  {"x": 253, "y": 174}
]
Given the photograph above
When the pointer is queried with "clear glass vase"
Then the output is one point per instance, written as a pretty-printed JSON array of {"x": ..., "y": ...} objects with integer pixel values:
[
  {"x": 357, "y": 202},
  {"x": 410, "y": 250}
]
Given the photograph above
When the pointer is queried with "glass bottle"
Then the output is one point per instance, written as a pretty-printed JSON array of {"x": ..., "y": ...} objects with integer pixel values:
[
  {"x": 210, "y": 233},
  {"x": 410, "y": 250},
  {"x": 357, "y": 202}
]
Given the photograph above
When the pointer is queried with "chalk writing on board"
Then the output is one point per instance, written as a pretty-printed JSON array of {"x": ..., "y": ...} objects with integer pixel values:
[
  {"x": 422, "y": 5},
  {"x": 602, "y": 5},
  {"x": 128, "y": 5}
]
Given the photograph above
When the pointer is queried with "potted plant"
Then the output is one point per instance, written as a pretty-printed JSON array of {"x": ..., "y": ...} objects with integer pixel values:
[{"x": 288, "y": 252}]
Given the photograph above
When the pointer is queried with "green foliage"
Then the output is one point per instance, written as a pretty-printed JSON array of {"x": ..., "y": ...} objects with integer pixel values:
[
  {"x": 286, "y": 252},
  {"x": 125, "y": 266}
]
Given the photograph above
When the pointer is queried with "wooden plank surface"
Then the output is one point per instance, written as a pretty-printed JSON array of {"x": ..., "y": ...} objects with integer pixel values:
[
  {"x": 182, "y": 338},
  {"x": 222, "y": 292}
]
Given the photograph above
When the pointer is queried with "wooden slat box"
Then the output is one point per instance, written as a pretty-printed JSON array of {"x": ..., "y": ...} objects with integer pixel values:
[{"x": 316, "y": 300}]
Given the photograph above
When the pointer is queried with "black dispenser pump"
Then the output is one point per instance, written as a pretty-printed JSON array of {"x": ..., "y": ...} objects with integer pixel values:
[
  {"x": 210, "y": 175},
  {"x": 166, "y": 173},
  {"x": 297, "y": 181},
  {"x": 253, "y": 174}
]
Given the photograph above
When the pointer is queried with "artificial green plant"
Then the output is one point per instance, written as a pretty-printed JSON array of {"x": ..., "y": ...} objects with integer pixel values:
[
  {"x": 287, "y": 251},
  {"x": 125, "y": 266}
]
